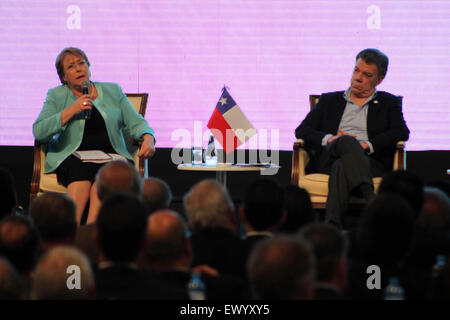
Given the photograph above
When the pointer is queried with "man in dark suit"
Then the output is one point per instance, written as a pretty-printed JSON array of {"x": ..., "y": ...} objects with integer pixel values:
[
  {"x": 55, "y": 217},
  {"x": 168, "y": 254},
  {"x": 114, "y": 176},
  {"x": 262, "y": 212},
  {"x": 121, "y": 226},
  {"x": 353, "y": 134},
  {"x": 329, "y": 248},
  {"x": 211, "y": 219}
]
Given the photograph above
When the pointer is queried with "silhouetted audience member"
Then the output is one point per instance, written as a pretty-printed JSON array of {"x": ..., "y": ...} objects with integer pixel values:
[
  {"x": 282, "y": 268},
  {"x": 211, "y": 219},
  {"x": 431, "y": 238},
  {"x": 156, "y": 194},
  {"x": 262, "y": 212},
  {"x": 54, "y": 215},
  {"x": 20, "y": 243},
  {"x": 115, "y": 176},
  {"x": 8, "y": 194},
  {"x": 298, "y": 209},
  {"x": 12, "y": 286},
  {"x": 406, "y": 184},
  {"x": 168, "y": 251},
  {"x": 383, "y": 238},
  {"x": 63, "y": 273},
  {"x": 329, "y": 249},
  {"x": 121, "y": 226}
]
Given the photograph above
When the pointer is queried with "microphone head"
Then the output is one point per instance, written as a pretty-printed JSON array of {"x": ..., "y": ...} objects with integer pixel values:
[{"x": 85, "y": 86}]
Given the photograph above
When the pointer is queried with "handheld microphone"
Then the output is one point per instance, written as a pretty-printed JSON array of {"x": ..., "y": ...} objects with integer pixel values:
[{"x": 85, "y": 90}]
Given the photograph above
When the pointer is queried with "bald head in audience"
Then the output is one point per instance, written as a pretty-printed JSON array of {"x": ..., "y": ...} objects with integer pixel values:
[
  {"x": 167, "y": 243},
  {"x": 281, "y": 268},
  {"x": 118, "y": 176}
]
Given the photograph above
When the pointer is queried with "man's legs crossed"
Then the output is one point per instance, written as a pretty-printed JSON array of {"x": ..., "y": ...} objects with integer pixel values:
[{"x": 349, "y": 168}]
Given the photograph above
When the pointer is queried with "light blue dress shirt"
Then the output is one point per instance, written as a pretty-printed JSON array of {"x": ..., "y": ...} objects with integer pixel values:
[{"x": 354, "y": 120}]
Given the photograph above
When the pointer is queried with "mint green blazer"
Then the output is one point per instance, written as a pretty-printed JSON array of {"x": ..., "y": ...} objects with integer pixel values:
[{"x": 62, "y": 141}]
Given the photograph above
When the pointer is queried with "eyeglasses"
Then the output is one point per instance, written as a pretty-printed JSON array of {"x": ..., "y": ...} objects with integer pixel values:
[{"x": 75, "y": 66}]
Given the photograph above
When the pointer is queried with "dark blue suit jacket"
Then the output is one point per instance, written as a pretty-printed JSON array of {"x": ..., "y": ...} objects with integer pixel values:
[{"x": 385, "y": 124}]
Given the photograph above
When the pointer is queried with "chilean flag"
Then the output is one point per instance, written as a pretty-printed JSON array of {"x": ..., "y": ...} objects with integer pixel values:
[{"x": 228, "y": 123}]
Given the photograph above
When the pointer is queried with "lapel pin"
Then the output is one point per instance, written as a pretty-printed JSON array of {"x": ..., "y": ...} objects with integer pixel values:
[{"x": 375, "y": 101}]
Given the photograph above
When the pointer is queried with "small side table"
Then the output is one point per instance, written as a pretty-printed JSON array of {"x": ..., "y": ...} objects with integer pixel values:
[{"x": 222, "y": 169}]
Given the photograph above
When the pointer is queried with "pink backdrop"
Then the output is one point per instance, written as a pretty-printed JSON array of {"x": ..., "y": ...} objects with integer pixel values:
[{"x": 271, "y": 54}]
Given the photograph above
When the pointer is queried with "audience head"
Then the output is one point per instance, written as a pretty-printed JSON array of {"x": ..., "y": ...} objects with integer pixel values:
[
  {"x": 281, "y": 268},
  {"x": 442, "y": 185},
  {"x": 432, "y": 234},
  {"x": 8, "y": 193},
  {"x": 375, "y": 56},
  {"x": 167, "y": 244},
  {"x": 19, "y": 242},
  {"x": 386, "y": 229},
  {"x": 208, "y": 204},
  {"x": 156, "y": 194},
  {"x": 55, "y": 218},
  {"x": 435, "y": 210},
  {"x": 12, "y": 286},
  {"x": 407, "y": 185},
  {"x": 57, "y": 270},
  {"x": 298, "y": 209},
  {"x": 118, "y": 176},
  {"x": 329, "y": 249},
  {"x": 263, "y": 207},
  {"x": 121, "y": 225}
]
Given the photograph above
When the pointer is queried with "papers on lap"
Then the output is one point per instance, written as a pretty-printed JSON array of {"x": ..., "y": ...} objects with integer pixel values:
[{"x": 97, "y": 156}]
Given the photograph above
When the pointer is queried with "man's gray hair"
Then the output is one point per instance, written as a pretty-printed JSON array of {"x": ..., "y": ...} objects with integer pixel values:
[
  {"x": 208, "y": 204},
  {"x": 50, "y": 278}
]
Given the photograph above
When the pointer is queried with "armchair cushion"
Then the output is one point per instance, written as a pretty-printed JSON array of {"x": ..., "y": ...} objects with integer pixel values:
[{"x": 317, "y": 184}]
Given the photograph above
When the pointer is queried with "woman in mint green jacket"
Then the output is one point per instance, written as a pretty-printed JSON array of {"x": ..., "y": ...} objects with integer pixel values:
[{"x": 85, "y": 115}]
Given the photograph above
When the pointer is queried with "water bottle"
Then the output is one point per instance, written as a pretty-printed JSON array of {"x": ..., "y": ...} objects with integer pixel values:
[
  {"x": 196, "y": 288},
  {"x": 211, "y": 152},
  {"x": 439, "y": 265},
  {"x": 435, "y": 271},
  {"x": 394, "y": 291}
]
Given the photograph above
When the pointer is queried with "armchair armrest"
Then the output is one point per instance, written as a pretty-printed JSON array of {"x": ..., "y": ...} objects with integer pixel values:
[
  {"x": 300, "y": 159},
  {"x": 36, "y": 175},
  {"x": 140, "y": 162},
  {"x": 400, "y": 156}
]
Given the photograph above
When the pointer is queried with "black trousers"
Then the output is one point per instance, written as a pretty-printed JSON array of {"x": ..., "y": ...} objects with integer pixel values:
[{"x": 349, "y": 167}]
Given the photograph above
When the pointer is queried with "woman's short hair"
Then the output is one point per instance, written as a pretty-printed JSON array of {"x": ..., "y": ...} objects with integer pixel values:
[{"x": 60, "y": 58}]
